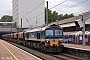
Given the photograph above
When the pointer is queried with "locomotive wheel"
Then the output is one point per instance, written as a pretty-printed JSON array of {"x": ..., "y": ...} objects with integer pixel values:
[{"x": 42, "y": 47}]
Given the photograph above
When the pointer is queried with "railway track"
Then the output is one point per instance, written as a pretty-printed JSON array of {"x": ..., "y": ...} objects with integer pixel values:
[
  {"x": 67, "y": 57},
  {"x": 77, "y": 52},
  {"x": 44, "y": 56}
]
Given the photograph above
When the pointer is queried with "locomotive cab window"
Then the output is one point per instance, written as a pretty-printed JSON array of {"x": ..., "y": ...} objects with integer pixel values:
[
  {"x": 58, "y": 32},
  {"x": 49, "y": 32}
]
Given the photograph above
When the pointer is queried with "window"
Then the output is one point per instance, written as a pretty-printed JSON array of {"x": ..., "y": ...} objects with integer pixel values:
[
  {"x": 32, "y": 35},
  {"x": 49, "y": 32},
  {"x": 58, "y": 32}
]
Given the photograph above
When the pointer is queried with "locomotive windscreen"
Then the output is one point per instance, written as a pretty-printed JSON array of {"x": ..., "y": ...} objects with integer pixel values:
[
  {"x": 49, "y": 32},
  {"x": 53, "y": 32},
  {"x": 58, "y": 32}
]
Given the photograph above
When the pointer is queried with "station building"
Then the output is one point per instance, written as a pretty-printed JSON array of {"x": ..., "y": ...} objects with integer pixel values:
[
  {"x": 31, "y": 12},
  {"x": 68, "y": 25}
]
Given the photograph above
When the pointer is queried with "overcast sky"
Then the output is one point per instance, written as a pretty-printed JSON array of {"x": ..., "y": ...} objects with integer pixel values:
[
  {"x": 64, "y": 8},
  {"x": 6, "y": 6}
]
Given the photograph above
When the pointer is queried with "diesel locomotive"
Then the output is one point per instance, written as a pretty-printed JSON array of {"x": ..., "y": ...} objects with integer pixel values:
[{"x": 45, "y": 38}]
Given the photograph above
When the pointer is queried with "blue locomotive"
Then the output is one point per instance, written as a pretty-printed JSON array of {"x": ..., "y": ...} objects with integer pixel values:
[{"x": 45, "y": 38}]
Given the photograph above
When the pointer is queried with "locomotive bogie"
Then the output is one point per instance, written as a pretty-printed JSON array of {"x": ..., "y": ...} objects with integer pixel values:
[{"x": 54, "y": 48}]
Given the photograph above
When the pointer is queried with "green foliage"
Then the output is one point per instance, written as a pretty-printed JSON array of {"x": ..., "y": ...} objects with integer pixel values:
[
  {"x": 0, "y": 20},
  {"x": 6, "y": 18},
  {"x": 53, "y": 16}
]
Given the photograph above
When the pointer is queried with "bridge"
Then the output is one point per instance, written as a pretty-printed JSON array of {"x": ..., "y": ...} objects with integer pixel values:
[{"x": 7, "y": 27}]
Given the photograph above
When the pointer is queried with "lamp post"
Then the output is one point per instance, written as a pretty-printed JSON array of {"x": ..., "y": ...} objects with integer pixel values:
[
  {"x": 83, "y": 30},
  {"x": 47, "y": 14},
  {"x": 21, "y": 24}
]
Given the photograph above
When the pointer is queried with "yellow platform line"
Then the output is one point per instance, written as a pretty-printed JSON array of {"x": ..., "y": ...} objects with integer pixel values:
[{"x": 10, "y": 52}]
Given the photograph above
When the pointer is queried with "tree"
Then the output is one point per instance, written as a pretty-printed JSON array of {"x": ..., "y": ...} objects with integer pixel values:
[
  {"x": 71, "y": 15},
  {"x": 68, "y": 16},
  {"x": 0, "y": 20},
  {"x": 65, "y": 16},
  {"x": 6, "y": 18},
  {"x": 53, "y": 16},
  {"x": 60, "y": 17}
]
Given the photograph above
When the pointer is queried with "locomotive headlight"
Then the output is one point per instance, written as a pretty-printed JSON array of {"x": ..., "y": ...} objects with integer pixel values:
[{"x": 48, "y": 42}]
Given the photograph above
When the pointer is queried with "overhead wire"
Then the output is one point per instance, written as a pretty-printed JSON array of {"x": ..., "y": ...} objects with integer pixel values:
[
  {"x": 62, "y": 3},
  {"x": 50, "y": 8},
  {"x": 29, "y": 23},
  {"x": 80, "y": 12},
  {"x": 37, "y": 15},
  {"x": 44, "y": 12},
  {"x": 71, "y": 6},
  {"x": 58, "y": 4},
  {"x": 32, "y": 11},
  {"x": 74, "y": 5}
]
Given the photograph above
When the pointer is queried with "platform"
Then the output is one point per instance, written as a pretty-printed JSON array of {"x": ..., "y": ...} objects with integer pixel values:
[
  {"x": 76, "y": 46},
  {"x": 9, "y": 52}
]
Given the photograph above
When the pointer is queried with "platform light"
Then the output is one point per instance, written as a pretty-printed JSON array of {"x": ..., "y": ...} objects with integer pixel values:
[{"x": 79, "y": 23}]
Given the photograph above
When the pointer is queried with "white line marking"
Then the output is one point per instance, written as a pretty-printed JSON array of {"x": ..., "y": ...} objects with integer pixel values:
[
  {"x": 24, "y": 51},
  {"x": 77, "y": 48}
]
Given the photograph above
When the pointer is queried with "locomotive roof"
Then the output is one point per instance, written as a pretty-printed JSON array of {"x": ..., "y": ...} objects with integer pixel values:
[{"x": 40, "y": 28}]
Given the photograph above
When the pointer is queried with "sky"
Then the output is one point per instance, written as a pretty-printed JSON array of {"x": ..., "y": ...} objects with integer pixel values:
[
  {"x": 66, "y": 6},
  {"x": 6, "y": 6}
]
